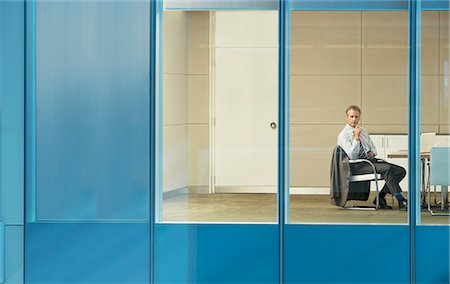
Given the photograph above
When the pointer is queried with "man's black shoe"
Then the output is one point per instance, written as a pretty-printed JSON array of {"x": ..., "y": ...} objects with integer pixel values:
[
  {"x": 382, "y": 204},
  {"x": 403, "y": 205}
]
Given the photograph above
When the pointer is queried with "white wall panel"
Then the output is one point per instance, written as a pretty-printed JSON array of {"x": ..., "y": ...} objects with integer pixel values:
[{"x": 247, "y": 29}]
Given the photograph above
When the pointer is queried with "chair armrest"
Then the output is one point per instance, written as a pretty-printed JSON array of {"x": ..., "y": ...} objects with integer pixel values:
[
  {"x": 374, "y": 173},
  {"x": 364, "y": 161}
]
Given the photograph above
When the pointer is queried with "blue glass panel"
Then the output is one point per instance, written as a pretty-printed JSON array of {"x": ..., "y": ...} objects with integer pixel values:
[
  {"x": 213, "y": 253},
  {"x": 435, "y": 5},
  {"x": 2, "y": 252},
  {"x": 92, "y": 109},
  {"x": 220, "y": 5},
  {"x": 11, "y": 111},
  {"x": 87, "y": 253},
  {"x": 432, "y": 254},
  {"x": 349, "y": 5},
  {"x": 14, "y": 254},
  {"x": 346, "y": 254}
]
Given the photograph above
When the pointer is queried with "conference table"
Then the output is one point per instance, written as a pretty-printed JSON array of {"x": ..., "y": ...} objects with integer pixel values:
[{"x": 424, "y": 176}]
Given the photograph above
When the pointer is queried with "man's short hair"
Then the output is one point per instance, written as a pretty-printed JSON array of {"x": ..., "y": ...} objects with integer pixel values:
[{"x": 353, "y": 107}]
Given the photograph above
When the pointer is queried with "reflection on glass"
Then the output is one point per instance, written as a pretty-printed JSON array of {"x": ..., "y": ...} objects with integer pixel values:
[
  {"x": 435, "y": 118},
  {"x": 338, "y": 59},
  {"x": 219, "y": 146}
]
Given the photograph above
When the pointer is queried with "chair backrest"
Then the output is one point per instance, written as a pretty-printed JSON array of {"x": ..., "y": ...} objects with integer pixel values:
[
  {"x": 427, "y": 140},
  {"x": 440, "y": 166}
]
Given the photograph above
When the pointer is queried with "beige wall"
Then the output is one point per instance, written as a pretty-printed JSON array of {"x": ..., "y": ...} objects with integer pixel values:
[
  {"x": 175, "y": 100},
  {"x": 185, "y": 99},
  {"x": 198, "y": 105},
  {"x": 444, "y": 55},
  {"x": 359, "y": 57}
]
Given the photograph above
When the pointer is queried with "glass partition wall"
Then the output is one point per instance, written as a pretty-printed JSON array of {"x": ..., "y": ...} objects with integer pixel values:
[
  {"x": 338, "y": 59},
  {"x": 218, "y": 125},
  {"x": 219, "y": 86},
  {"x": 218, "y": 128},
  {"x": 435, "y": 118}
]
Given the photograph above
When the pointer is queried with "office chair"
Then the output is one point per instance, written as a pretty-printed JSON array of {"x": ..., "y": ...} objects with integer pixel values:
[
  {"x": 374, "y": 176},
  {"x": 440, "y": 175}
]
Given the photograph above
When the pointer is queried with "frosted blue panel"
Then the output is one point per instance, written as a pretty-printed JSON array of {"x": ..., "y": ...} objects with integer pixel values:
[
  {"x": 436, "y": 5},
  {"x": 14, "y": 253},
  {"x": 432, "y": 254},
  {"x": 347, "y": 254},
  {"x": 11, "y": 111},
  {"x": 220, "y": 5},
  {"x": 350, "y": 5},
  {"x": 92, "y": 105},
  {"x": 87, "y": 253},
  {"x": 216, "y": 253},
  {"x": 2, "y": 252}
]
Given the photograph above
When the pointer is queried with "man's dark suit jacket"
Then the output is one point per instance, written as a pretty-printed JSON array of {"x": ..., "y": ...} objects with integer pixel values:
[{"x": 341, "y": 189}]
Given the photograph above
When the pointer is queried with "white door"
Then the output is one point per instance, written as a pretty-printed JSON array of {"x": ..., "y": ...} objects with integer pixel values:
[{"x": 246, "y": 101}]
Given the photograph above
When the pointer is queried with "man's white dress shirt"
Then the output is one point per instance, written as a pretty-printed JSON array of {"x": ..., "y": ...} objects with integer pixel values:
[{"x": 351, "y": 146}]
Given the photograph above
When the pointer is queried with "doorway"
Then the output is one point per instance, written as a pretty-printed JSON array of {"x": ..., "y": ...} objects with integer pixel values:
[{"x": 245, "y": 102}]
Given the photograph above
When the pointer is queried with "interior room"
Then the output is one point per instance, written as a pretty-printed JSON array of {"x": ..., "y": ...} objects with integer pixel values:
[{"x": 219, "y": 100}]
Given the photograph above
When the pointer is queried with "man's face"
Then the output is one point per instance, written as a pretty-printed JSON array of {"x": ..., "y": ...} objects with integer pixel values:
[{"x": 352, "y": 117}]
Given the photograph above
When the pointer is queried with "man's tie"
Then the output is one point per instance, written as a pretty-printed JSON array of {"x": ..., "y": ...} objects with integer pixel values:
[{"x": 362, "y": 153}]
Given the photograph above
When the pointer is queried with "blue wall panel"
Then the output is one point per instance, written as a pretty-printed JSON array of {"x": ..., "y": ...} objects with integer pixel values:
[
  {"x": 220, "y": 5},
  {"x": 12, "y": 44},
  {"x": 92, "y": 110},
  {"x": 350, "y": 5},
  {"x": 87, "y": 253},
  {"x": 2, "y": 252},
  {"x": 432, "y": 254},
  {"x": 435, "y": 5},
  {"x": 346, "y": 254},
  {"x": 11, "y": 111},
  {"x": 14, "y": 254},
  {"x": 213, "y": 253}
]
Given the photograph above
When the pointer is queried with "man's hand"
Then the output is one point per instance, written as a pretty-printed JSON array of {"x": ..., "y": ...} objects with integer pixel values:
[
  {"x": 370, "y": 155},
  {"x": 357, "y": 132}
]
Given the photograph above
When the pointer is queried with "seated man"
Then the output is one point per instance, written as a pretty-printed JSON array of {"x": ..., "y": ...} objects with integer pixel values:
[{"x": 356, "y": 143}]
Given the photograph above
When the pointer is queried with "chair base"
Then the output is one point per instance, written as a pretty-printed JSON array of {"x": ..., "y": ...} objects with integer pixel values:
[
  {"x": 439, "y": 212},
  {"x": 443, "y": 203},
  {"x": 442, "y": 213},
  {"x": 361, "y": 207}
]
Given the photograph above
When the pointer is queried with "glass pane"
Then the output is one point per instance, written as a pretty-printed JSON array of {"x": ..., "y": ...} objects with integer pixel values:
[
  {"x": 339, "y": 59},
  {"x": 219, "y": 113},
  {"x": 92, "y": 98},
  {"x": 435, "y": 117}
]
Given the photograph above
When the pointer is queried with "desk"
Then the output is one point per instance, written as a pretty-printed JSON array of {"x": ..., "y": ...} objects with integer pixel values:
[
  {"x": 404, "y": 154},
  {"x": 424, "y": 176}
]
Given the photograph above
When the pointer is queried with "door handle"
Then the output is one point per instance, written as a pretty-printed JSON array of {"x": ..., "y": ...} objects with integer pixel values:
[{"x": 273, "y": 125}]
